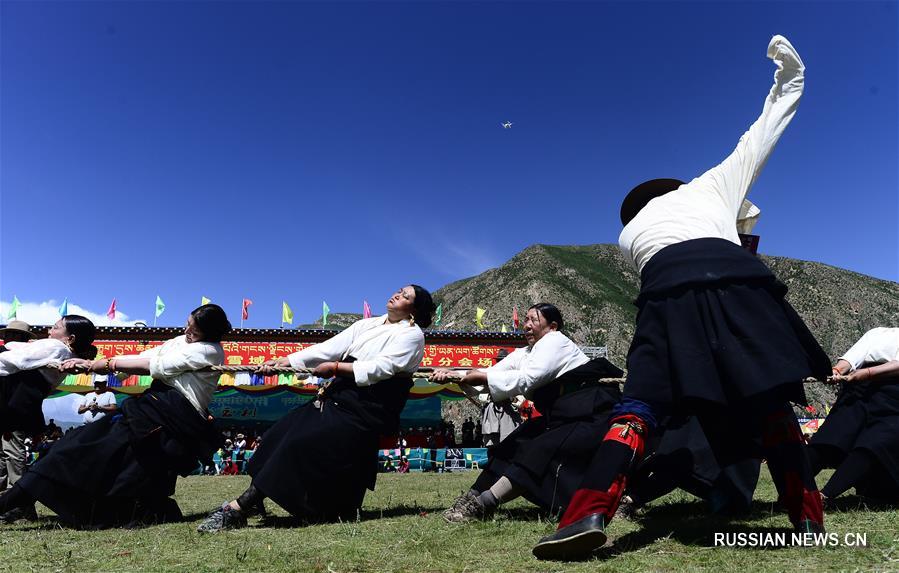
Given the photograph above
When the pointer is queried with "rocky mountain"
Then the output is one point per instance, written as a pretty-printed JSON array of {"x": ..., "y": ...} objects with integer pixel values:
[
  {"x": 594, "y": 287},
  {"x": 336, "y": 321}
]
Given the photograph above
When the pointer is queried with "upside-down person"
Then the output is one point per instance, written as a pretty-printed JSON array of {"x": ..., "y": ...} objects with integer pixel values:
[
  {"x": 319, "y": 459},
  {"x": 545, "y": 458},
  {"x": 28, "y": 373},
  {"x": 121, "y": 470},
  {"x": 714, "y": 336},
  {"x": 860, "y": 436}
]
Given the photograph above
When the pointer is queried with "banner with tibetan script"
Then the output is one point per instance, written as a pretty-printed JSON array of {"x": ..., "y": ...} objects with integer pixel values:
[{"x": 255, "y": 353}]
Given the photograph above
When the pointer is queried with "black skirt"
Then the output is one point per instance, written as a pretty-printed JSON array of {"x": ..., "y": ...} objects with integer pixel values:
[
  {"x": 21, "y": 398},
  {"x": 123, "y": 468},
  {"x": 318, "y": 460},
  {"x": 678, "y": 455},
  {"x": 547, "y": 456},
  {"x": 866, "y": 416},
  {"x": 713, "y": 328}
]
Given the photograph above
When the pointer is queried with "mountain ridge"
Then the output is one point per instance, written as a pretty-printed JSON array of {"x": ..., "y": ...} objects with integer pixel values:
[{"x": 594, "y": 287}]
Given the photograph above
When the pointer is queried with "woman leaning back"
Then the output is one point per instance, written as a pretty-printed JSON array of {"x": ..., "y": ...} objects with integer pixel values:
[
  {"x": 28, "y": 373},
  {"x": 318, "y": 461},
  {"x": 121, "y": 470},
  {"x": 545, "y": 457}
]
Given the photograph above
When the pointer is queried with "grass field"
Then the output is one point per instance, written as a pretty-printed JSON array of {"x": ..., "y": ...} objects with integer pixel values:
[{"x": 401, "y": 529}]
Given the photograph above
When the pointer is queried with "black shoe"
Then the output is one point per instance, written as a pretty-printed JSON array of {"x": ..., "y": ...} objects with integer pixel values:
[
  {"x": 27, "y": 513},
  {"x": 259, "y": 509},
  {"x": 574, "y": 541}
]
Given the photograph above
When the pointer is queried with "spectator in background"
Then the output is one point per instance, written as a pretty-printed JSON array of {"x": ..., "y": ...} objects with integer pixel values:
[
  {"x": 432, "y": 450},
  {"x": 403, "y": 466},
  {"x": 467, "y": 433},
  {"x": 240, "y": 447},
  {"x": 12, "y": 452},
  {"x": 240, "y": 444},
  {"x": 449, "y": 436},
  {"x": 401, "y": 444},
  {"x": 97, "y": 404},
  {"x": 498, "y": 419},
  {"x": 53, "y": 430},
  {"x": 227, "y": 451},
  {"x": 388, "y": 465}
]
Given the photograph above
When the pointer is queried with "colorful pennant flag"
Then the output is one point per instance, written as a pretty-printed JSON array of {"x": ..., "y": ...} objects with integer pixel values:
[
  {"x": 110, "y": 314},
  {"x": 479, "y": 314},
  {"x": 245, "y": 309},
  {"x": 160, "y": 307},
  {"x": 438, "y": 315},
  {"x": 504, "y": 329},
  {"x": 366, "y": 309},
  {"x": 325, "y": 312},
  {"x": 286, "y": 314},
  {"x": 515, "y": 317},
  {"x": 204, "y": 300},
  {"x": 64, "y": 307},
  {"x": 13, "y": 308}
]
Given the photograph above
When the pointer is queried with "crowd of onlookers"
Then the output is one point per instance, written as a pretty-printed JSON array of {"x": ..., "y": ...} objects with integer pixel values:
[
  {"x": 237, "y": 448},
  {"x": 239, "y": 444},
  {"x": 37, "y": 445}
]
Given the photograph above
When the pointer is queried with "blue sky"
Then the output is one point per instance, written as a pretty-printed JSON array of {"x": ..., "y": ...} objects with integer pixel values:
[{"x": 335, "y": 150}]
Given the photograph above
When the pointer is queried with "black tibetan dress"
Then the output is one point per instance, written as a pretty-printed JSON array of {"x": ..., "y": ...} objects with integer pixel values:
[
  {"x": 548, "y": 455},
  {"x": 318, "y": 461},
  {"x": 679, "y": 456},
  {"x": 865, "y": 416},
  {"x": 122, "y": 468},
  {"x": 21, "y": 397},
  {"x": 714, "y": 330}
]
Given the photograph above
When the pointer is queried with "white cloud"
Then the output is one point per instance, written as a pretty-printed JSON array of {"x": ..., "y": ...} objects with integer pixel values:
[
  {"x": 448, "y": 253},
  {"x": 47, "y": 312}
]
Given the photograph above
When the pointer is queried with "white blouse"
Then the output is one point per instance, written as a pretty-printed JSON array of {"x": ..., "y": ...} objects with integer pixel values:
[
  {"x": 381, "y": 349},
  {"x": 176, "y": 363},
  {"x": 709, "y": 205},
  {"x": 33, "y": 355},
  {"x": 877, "y": 346},
  {"x": 527, "y": 369}
]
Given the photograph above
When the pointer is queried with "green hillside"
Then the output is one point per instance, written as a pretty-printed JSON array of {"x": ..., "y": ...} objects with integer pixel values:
[{"x": 594, "y": 287}]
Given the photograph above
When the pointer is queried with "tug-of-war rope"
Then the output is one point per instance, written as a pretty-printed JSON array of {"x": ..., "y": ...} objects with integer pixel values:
[{"x": 425, "y": 372}]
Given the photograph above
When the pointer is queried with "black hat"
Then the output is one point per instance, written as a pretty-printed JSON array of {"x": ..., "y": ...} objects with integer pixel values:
[{"x": 643, "y": 194}]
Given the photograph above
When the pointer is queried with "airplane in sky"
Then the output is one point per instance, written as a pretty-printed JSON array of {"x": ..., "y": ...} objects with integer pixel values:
[{"x": 507, "y": 125}]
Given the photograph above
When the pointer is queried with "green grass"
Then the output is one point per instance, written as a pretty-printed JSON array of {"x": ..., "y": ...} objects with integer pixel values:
[{"x": 401, "y": 530}]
